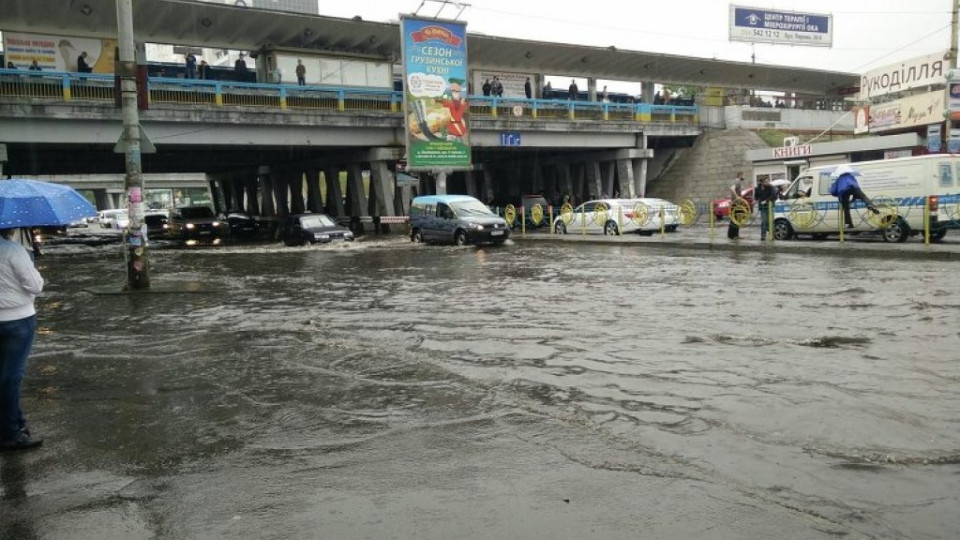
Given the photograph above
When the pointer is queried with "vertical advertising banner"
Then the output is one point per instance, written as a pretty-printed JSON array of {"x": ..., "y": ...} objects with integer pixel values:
[{"x": 435, "y": 94}]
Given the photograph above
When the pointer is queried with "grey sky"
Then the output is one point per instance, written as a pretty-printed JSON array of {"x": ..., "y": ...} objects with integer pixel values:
[{"x": 867, "y": 33}]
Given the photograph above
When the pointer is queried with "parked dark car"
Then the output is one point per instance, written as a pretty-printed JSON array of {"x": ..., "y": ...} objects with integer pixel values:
[
  {"x": 300, "y": 229},
  {"x": 193, "y": 225}
]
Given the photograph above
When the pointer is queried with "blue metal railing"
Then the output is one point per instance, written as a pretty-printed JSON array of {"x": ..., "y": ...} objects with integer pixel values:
[{"x": 100, "y": 88}]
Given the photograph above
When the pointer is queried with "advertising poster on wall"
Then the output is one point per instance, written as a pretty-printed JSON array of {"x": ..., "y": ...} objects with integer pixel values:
[
  {"x": 435, "y": 94},
  {"x": 58, "y": 53}
]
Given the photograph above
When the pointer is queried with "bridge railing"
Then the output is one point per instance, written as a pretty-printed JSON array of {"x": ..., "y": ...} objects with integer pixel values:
[{"x": 100, "y": 88}]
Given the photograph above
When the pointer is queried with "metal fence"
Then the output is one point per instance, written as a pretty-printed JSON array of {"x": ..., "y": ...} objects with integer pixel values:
[{"x": 50, "y": 86}]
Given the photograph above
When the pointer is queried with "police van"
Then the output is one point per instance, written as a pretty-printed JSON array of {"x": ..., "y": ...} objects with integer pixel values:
[
  {"x": 906, "y": 191},
  {"x": 457, "y": 219}
]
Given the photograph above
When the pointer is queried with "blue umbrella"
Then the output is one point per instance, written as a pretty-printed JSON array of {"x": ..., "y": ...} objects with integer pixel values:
[{"x": 29, "y": 203}]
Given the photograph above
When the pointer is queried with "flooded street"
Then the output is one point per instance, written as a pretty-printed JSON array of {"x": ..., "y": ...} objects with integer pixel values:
[{"x": 384, "y": 389}]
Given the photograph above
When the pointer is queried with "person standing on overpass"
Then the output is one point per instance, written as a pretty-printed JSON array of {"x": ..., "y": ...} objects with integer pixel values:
[
  {"x": 301, "y": 73},
  {"x": 573, "y": 90}
]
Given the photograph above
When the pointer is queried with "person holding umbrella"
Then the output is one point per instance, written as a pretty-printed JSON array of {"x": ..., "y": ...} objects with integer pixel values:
[
  {"x": 846, "y": 188},
  {"x": 20, "y": 283}
]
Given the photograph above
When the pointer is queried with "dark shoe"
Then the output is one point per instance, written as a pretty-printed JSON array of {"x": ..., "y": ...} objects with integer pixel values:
[
  {"x": 22, "y": 442},
  {"x": 874, "y": 210}
]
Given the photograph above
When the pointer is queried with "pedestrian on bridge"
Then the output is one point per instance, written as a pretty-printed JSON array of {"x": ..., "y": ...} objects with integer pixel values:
[
  {"x": 573, "y": 90},
  {"x": 20, "y": 283},
  {"x": 240, "y": 68},
  {"x": 82, "y": 66},
  {"x": 301, "y": 73},
  {"x": 190, "y": 70},
  {"x": 487, "y": 87},
  {"x": 528, "y": 88}
]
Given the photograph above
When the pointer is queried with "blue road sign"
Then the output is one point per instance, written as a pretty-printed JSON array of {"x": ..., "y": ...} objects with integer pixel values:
[{"x": 510, "y": 138}]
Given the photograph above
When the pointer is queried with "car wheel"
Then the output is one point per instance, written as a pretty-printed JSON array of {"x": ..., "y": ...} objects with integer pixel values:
[
  {"x": 416, "y": 236},
  {"x": 782, "y": 230},
  {"x": 671, "y": 228},
  {"x": 560, "y": 228},
  {"x": 897, "y": 231},
  {"x": 610, "y": 229},
  {"x": 460, "y": 238},
  {"x": 938, "y": 235}
]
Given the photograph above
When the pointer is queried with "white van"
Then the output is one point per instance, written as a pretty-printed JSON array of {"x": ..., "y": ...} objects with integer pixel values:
[{"x": 898, "y": 187}]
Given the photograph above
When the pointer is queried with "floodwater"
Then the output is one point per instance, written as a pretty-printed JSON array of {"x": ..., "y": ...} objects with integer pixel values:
[{"x": 539, "y": 390}]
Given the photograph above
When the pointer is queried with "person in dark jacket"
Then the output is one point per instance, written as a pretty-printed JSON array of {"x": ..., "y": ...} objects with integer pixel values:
[
  {"x": 82, "y": 66},
  {"x": 766, "y": 197},
  {"x": 846, "y": 188}
]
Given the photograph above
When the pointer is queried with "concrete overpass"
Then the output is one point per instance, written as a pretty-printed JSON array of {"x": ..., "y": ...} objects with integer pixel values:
[{"x": 250, "y": 152}]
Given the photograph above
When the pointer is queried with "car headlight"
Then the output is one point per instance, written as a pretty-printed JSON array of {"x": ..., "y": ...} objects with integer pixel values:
[
  {"x": 216, "y": 223},
  {"x": 348, "y": 235},
  {"x": 190, "y": 225},
  {"x": 478, "y": 227}
]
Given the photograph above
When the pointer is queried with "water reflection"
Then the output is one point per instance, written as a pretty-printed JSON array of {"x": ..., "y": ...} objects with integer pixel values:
[{"x": 773, "y": 373}]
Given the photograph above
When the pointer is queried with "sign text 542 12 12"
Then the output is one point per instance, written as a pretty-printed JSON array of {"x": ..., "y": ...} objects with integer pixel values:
[{"x": 756, "y": 25}]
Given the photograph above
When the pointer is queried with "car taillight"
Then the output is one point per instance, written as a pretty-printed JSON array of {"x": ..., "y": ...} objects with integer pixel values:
[{"x": 934, "y": 203}]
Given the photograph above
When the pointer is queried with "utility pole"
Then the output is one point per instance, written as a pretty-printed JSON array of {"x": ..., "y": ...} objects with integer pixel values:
[{"x": 134, "y": 239}]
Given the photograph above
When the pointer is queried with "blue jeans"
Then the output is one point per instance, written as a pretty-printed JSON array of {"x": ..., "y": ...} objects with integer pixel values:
[
  {"x": 764, "y": 219},
  {"x": 16, "y": 339}
]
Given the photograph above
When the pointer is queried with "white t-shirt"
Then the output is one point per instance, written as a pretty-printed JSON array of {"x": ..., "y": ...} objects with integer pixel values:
[{"x": 20, "y": 282}]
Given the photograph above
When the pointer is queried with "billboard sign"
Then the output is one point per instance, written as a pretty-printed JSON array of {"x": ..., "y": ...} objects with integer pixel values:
[
  {"x": 435, "y": 94},
  {"x": 914, "y": 73},
  {"x": 756, "y": 25},
  {"x": 913, "y": 111},
  {"x": 58, "y": 53}
]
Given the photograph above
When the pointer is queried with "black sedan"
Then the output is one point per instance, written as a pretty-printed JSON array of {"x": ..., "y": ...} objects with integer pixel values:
[
  {"x": 300, "y": 229},
  {"x": 193, "y": 225}
]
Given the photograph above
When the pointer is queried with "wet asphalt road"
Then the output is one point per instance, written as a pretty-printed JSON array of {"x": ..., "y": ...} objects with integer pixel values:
[{"x": 540, "y": 390}]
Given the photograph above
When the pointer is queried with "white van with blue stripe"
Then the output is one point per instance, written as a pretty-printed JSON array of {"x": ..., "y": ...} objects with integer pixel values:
[{"x": 908, "y": 192}]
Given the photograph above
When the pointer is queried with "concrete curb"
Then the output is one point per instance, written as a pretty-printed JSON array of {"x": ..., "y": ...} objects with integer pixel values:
[{"x": 939, "y": 252}]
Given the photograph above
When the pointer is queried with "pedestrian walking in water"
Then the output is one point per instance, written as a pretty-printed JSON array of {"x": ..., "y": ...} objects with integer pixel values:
[
  {"x": 736, "y": 194},
  {"x": 20, "y": 283}
]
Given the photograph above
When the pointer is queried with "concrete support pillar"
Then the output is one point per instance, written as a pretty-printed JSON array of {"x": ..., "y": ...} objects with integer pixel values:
[
  {"x": 608, "y": 171},
  {"x": 648, "y": 92},
  {"x": 280, "y": 192},
  {"x": 487, "y": 189},
  {"x": 268, "y": 208},
  {"x": 103, "y": 200},
  {"x": 594, "y": 180},
  {"x": 295, "y": 181},
  {"x": 566, "y": 180},
  {"x": 219, "y": 191},
  {"x": 625, "y": 173},
  {"x": 470, "y": 180},
  {"x": 251, "y": 205},
  {"x": 591, "y": 89},
  {"x": 441, "y": 182},
  {"x": 382, "y": 178},
  {"x": 314, "y": 204},
  {"x": 580, "y": 178},
  {"x": 355, "y": 195},
  {"x": 640, "y": 176},
  {"x": 334, "y": 204}
]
